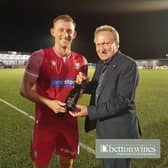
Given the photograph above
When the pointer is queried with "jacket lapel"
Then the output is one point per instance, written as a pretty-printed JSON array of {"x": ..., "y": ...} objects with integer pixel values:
[
  {"x": 112, "y": 65},
  {"x": 98, "y": 70}
]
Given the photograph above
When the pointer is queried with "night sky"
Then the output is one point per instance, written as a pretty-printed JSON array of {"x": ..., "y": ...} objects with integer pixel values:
[{"x": 143, "y": 26}]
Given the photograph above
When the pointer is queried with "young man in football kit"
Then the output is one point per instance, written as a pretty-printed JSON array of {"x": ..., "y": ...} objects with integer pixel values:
[{"x": 53, "y": 71}]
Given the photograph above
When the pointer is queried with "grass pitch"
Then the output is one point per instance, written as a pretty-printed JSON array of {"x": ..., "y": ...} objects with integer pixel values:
[{"x": 16, "y": 129}]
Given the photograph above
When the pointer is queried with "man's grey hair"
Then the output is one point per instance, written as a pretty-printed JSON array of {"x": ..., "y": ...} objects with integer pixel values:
[{"x": 108, "y": 28}]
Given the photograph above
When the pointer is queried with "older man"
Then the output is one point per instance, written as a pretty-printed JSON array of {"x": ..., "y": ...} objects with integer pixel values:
[{"x": 112, "y": 108}]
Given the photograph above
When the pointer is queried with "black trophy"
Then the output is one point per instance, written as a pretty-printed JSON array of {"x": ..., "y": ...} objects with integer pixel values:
[{"x": 73, "y": 97}]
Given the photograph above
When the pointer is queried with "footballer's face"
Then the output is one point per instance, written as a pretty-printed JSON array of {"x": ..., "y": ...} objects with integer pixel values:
[
  {"x": 106, "y": 45},
  {"x": 64, "y": 33}
]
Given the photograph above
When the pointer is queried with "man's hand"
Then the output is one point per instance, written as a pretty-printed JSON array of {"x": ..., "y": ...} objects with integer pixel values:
[
  {"x": 81, "y": 78},
  {"x": 56, "y": 106},
  {"x": 82, "y": 111}
]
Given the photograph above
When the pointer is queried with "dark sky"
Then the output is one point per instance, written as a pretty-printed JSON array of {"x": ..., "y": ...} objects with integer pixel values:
[{"x": 143, "y": 25}]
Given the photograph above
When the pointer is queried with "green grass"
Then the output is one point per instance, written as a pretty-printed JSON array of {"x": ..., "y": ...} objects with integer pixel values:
[{"x": 16, "y": 129}]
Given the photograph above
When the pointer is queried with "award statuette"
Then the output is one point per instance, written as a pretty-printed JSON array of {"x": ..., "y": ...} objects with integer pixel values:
[{"x": 73, "y": 97}]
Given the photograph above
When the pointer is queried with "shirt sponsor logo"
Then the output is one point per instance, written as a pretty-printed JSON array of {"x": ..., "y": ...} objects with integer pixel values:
[{"x": 63, "y": 82}]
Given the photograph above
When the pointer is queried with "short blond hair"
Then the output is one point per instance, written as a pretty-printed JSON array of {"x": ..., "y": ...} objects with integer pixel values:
[
  {"x": 107, "y": 28},
  {"x": 65, "y": 17}
]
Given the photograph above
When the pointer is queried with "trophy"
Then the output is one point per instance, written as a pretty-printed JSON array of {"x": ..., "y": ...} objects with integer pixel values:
[{"x": 73, "y": 97}]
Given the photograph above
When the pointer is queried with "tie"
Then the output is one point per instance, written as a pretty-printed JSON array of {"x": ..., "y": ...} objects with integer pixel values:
[
  {"x": 104, "y": 68},
  {"x": 101, "y": 78}
]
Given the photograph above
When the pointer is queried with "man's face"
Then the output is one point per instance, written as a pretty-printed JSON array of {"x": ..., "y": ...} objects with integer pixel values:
[
  {"x": 64, "y": 33},
  {"x": 106, "y": 45}
]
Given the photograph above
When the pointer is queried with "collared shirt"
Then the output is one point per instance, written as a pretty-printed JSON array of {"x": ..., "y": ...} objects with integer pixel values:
[{"x": 101, "y": 78}]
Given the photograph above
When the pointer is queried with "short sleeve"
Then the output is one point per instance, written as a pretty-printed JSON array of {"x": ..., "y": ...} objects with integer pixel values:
[{"x": 34, "y": 63}]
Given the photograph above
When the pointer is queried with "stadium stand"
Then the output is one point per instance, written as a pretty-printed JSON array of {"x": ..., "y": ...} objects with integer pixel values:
[
  {"x": 152, "y": 64},
  {"x": 10, "y": 59}
]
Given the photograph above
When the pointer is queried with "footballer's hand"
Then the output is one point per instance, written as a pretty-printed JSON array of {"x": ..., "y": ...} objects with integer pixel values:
[
  {"x": 81, "y": 78},
  {"x": 81, "y": 111},
  {"x": 56, "y": 106}
]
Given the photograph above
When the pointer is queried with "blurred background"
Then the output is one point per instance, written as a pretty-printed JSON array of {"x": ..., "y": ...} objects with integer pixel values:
[{"x": 143, "y": 26}]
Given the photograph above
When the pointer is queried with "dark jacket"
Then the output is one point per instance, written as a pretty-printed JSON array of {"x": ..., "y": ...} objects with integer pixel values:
[{"x": 114, "y": 114}]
